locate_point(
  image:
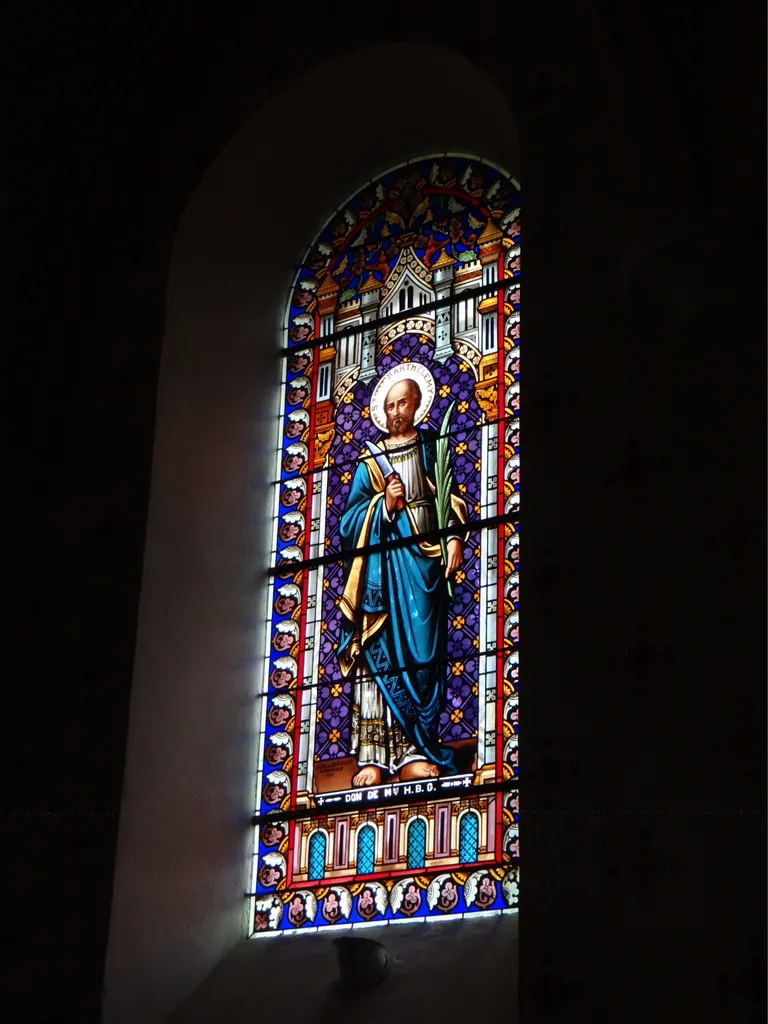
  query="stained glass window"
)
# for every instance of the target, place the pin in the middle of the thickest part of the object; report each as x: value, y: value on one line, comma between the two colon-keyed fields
x: 316, y: 865
x: 469, y: 833
x: 417, y: 844
x: 389, y: 773
x: 366, y: 850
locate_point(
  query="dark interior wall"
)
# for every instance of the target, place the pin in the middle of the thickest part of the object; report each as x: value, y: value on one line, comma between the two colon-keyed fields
x: 453, y: 971
x: 188, y: 791
x: 643, y: 740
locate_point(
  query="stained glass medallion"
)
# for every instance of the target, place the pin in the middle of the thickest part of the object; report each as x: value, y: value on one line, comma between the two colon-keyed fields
x: 388, y: 778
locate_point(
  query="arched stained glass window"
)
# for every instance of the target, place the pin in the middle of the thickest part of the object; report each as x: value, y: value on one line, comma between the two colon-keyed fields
x: 469, y: 837
x: 391, y: 678
x: 366, y: 850
x: 417, y: 844
x: 316, y: 861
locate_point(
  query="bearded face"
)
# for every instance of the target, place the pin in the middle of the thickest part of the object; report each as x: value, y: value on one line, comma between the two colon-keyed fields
x: 400, y: 407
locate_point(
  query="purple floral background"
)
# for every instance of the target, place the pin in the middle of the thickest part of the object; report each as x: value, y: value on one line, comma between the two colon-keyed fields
x: 454, y: 383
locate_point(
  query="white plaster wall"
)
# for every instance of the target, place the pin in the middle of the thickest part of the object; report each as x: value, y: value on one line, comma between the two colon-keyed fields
x: 184, y: 842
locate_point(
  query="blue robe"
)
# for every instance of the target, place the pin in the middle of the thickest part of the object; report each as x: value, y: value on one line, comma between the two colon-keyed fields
x: 395, y: 607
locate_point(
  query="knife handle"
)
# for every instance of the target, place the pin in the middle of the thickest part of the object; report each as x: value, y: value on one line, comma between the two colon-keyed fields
x: 400, y: 503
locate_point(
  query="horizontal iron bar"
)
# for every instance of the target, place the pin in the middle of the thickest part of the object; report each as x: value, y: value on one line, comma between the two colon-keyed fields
x: 454, y: 433
x: 305, y: 814
x: 451, y: 300
x: 472, y: 526
x: 405, y: 666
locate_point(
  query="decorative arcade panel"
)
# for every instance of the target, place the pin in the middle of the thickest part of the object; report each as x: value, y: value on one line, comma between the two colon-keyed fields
x: 388, y: 780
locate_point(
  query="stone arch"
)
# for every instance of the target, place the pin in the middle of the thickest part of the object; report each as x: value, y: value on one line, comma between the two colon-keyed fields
x: 185, y: 840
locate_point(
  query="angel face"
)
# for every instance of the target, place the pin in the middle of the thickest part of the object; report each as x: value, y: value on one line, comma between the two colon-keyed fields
x: 294, y: 429
x: 274, y: 793
x: 292, y: 496
x: 278, y: 717
x: 283, y: 642
x: 280, y: 678
x: 288, y: 532
x: 272, y: 835
x: 297, y: 395
x: 285, y: 604
x: 299, y: 333
x: 276, y: 755
x: 299, y: 362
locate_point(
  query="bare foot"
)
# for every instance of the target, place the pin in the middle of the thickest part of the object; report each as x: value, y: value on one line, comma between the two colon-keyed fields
x: 415, y: 770
x: 368, y: 776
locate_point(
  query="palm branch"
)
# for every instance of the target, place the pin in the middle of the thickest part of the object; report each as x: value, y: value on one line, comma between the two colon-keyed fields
x: 444, y: 485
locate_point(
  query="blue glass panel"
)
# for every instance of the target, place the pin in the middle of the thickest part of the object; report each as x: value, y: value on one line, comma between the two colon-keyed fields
x: 469, y: 838
x: 317, y: 856
x: 417, y: 844
x: 366, y: 850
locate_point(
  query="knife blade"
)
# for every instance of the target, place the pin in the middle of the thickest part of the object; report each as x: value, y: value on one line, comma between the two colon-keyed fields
x: 385, y: 467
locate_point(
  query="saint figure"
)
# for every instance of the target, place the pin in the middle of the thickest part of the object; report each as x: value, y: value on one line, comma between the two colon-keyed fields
x: 395, y: 602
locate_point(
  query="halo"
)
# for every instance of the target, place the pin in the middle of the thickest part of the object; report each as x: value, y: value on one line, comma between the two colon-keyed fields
x: 403, y: 371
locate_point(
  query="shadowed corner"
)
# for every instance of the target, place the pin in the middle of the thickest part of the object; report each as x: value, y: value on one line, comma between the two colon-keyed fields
x: 363, y: 963
x: 363, y: 966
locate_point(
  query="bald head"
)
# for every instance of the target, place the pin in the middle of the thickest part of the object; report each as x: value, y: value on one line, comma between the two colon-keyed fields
x: 400, y: 405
